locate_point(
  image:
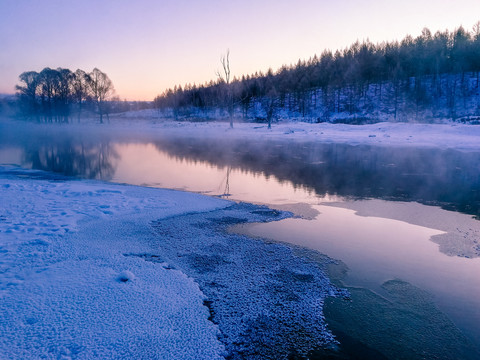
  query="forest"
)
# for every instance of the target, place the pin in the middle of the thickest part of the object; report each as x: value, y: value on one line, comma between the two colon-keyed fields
x: 432, y: 76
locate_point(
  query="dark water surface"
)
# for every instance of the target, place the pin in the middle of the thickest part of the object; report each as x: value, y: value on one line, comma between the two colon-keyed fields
x: 407, y: 292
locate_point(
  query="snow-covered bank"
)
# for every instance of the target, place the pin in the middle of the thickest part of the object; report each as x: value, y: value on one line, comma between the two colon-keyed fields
x: 445, y: 136
x: 84, y: 275
x: 66, y: 293
x: 455, y: 136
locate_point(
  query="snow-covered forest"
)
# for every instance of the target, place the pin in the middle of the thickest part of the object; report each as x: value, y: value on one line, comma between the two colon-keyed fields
x: 429, y: 78
x: 432, y: 76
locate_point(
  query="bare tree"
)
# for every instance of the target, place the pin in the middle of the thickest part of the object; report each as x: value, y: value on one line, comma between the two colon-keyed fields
x: 80, y: 89
x: 224, y: 77
x: 101, y: 90
x: 225, y: 61
x: 270, y: 105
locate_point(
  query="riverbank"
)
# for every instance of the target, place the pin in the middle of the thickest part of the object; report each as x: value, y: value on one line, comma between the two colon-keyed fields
x: 97, y: 270
x: 447, y: 135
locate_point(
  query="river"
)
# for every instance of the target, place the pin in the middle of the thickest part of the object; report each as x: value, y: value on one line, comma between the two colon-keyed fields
x: 401, y: 221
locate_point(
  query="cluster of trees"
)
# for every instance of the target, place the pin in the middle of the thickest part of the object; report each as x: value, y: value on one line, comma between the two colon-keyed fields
x: 52, y: 95
x: 431, y: 71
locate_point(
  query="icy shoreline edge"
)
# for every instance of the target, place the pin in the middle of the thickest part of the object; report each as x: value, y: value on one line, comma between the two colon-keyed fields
x: 84, y: 274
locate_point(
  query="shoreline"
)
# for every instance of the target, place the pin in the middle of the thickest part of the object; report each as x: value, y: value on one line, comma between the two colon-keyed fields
x: 85, y: 270
x: 364, y: 322
x: 448, y: 135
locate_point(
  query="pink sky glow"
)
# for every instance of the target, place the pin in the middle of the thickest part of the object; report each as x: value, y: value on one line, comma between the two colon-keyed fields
x: 147, y: 46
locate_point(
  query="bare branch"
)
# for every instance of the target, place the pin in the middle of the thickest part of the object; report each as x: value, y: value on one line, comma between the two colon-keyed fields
x: 225, y: 61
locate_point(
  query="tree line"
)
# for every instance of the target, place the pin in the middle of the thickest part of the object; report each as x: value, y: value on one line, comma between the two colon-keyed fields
x: 435, y: 74
x: 52, y: 95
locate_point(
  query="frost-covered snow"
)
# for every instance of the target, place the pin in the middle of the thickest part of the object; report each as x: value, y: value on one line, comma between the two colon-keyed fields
x: 266, y: 301
x: 68, y: 293
x: 96, y: 270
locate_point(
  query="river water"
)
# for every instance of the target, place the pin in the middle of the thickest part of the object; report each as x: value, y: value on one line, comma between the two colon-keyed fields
x: 399, y: 220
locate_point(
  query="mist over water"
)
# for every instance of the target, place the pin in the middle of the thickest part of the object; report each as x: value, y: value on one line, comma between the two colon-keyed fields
x: 447, y: 178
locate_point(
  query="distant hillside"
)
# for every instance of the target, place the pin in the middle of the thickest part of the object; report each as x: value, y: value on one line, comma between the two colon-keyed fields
x: 429, y: 78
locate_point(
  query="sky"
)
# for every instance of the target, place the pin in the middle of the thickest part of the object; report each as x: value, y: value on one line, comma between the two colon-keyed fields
x: 147, y: 46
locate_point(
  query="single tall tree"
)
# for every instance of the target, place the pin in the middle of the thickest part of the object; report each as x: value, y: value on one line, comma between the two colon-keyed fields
x: 224, y: 77
x: 101, y: 90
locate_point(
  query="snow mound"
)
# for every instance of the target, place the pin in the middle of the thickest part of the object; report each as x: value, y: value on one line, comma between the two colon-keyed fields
x: 125, y: 276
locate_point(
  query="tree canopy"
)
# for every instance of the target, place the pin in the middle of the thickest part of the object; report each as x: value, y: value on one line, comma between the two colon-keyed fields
x: 52, y: 95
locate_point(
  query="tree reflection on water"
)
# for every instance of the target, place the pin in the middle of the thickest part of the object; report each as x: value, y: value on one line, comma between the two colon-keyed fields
x: 448, y: 178
x: 90, y: 161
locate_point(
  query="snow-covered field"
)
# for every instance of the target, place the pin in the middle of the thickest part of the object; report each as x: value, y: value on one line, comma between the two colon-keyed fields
x: 66, y: 293
x: 97, y: 270
x: 461, y: 137
x: 458, y: 136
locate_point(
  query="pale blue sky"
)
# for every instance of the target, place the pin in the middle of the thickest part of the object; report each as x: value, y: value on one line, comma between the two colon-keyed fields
x: 146, y: 46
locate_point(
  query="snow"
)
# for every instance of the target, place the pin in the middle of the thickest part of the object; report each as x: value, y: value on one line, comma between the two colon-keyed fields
x: 445, y: 136
x: 59, y: 288
x: 455, y: 136
x: 98, y: 270
x: 266, y: 300
x: 125, y: 276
